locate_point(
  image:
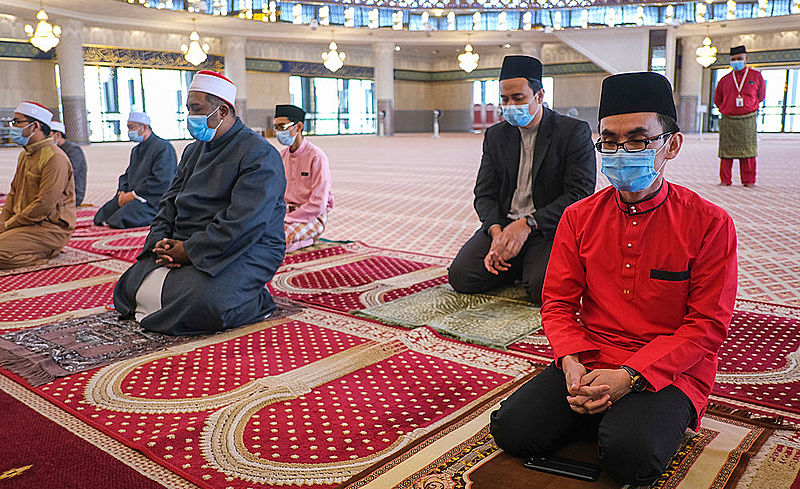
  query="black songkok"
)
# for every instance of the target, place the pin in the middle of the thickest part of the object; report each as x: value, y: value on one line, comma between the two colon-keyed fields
x: 292, y: 112
x: 738, y: 50
x: 628, y: 93
x: 519, y: 66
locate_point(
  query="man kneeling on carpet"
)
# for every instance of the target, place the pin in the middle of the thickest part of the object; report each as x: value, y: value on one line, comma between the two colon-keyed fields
x: 638, y: 297
x: 218, y: 236
x: 39, y: 212
x: 308, y: 180
x: 148, y: 176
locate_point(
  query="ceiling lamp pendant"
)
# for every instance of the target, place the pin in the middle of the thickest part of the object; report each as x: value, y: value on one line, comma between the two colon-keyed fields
x: 762, y: 8
x: 324, y: 15
x: 669, y: 14
x: 468, y: 60
x: 451, y: 21
x: 585, y: 18
x: 333, y: 60
x: 476, y: 21
x: 194, y: 53
x: 795, y: 9
x: 700, y: 13
x: 527, y: 17
x: 397, y: 20
x: 45, y: 36
x: 502, y: 21
x: 374, y: 18
x: 640, y: 15
x: 706, y: 54
x: 731, y: 10
x: 350, y: 17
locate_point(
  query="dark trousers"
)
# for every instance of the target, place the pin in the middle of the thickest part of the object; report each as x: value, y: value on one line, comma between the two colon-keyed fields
x: 636, y: 437
x: 468, y: 275
x: 134, y: 214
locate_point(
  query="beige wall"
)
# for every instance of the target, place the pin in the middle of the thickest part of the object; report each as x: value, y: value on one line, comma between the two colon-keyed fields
x: 265, y: 90
x: 27, y: 80
x: 452, y: 95
x: 411, y: 95
x: 577, y: 90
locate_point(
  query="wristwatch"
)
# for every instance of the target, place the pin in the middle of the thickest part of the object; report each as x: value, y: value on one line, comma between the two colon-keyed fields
x: 531, y: 222
x: 638, y: 382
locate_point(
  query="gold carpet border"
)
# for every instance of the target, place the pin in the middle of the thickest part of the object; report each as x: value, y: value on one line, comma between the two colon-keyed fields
x: 789, y: 312
x: 128, y: 456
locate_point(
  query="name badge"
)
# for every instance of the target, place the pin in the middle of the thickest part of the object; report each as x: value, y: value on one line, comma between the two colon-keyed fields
x: 739, y: 101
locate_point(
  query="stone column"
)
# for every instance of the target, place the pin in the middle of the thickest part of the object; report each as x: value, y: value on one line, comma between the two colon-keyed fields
x: 532, y: 49
x: 236, y: 70
x: 69, y: 54
x: 690, y: 82
x: 384, y: 84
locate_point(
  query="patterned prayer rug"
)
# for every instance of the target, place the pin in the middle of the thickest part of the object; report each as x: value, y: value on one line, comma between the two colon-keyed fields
x: 123, y: 245
x: 353, y: 276
x: 308, y: 400
x: 41, y: 354
x: 496, y: 320
x: 50, y: 296
x: 465, y: 456
x: 68, y: 256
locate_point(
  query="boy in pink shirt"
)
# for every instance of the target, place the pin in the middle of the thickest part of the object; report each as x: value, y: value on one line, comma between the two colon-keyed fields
x: 308, y: 180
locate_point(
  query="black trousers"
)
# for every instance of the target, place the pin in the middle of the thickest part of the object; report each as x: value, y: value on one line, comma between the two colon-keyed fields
x: 468, y: 275
x: 636, y: 437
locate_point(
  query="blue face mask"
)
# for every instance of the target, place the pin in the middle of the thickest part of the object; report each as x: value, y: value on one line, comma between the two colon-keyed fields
x: 198, y: 126
x: 631, y: 172
x: 135, y: 136
x: 518, y: 115
x: 285, y: 138
x: 738, y: 64
x: 15, y: 133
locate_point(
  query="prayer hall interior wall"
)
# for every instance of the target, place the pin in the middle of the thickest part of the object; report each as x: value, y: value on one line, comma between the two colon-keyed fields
x: 27, y: 80
x: 264, y: 92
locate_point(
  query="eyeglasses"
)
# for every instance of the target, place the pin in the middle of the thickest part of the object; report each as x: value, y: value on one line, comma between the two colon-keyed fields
x: 629, y: 146
x: 17, y: 122
x: 284, y: 126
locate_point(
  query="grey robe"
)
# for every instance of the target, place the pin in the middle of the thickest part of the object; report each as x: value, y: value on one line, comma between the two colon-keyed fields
x: 226, y: 205
x: 149, y: 174
x: 78, y: 160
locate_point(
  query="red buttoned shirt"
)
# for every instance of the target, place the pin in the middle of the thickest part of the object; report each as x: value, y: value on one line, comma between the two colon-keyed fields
x: 754, y: 91
x: 653, y: 284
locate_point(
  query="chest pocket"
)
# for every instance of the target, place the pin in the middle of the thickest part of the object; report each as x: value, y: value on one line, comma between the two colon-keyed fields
x: 669, y: 276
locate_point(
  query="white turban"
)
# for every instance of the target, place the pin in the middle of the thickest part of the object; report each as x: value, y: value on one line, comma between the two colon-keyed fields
x: 214, y: 83
x: 58, y: 126
x: 35, y: 111
x: 139, y: 117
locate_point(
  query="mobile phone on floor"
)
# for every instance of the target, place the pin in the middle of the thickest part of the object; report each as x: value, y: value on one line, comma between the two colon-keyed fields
x: 563, y: 466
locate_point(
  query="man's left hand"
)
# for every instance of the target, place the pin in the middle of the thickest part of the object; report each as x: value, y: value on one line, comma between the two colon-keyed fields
x: 618, y: 382
x: 171, y: 253
x: 514, y: 237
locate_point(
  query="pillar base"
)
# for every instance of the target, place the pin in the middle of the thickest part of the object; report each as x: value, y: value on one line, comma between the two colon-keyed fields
x: 75, y: 121
x: 387, y: 106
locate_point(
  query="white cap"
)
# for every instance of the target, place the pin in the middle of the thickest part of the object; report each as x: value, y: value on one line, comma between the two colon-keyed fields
x: 214, y: 83
x: 58, y: 126
x: 139, y: 117
x: 35, y: 111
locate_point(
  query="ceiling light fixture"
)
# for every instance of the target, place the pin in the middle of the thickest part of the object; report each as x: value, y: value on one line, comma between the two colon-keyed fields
x: 45, y: 36
x: 194, y: 53
x: 706, y: 54
x: 333, y: 60
x: 468, y: 60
